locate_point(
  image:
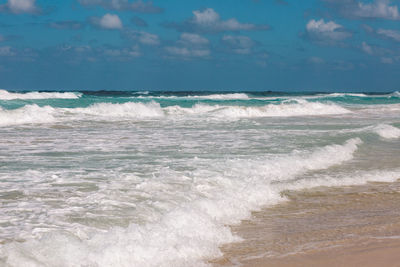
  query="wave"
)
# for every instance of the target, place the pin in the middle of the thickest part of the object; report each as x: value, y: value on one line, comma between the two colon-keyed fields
x: 299, y: 108
x: 233, y: 96
x: 124, y: 110
x: 345, y: 94
x: 27, y: 115
x: 387, y: 131
x: 34, y: 114
x: 395, y: 93
x: 193, y: 230
x: 132, y: 110
x: 5, y: 95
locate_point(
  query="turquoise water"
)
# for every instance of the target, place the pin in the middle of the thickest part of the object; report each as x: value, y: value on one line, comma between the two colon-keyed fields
x: 188, y: 99
x: 155, y: 178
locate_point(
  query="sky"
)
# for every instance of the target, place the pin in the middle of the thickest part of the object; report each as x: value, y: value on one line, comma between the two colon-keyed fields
x: 246, y: 45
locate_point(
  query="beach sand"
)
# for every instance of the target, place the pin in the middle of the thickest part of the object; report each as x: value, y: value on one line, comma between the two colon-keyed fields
x: 347, y: 226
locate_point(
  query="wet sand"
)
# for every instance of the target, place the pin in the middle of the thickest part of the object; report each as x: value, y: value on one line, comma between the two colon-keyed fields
x: 348, y: 226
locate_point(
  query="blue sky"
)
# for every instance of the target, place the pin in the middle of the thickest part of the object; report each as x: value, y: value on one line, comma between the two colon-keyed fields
x: 290, y: 45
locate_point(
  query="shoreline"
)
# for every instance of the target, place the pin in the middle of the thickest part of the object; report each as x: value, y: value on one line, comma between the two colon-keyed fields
x: 383, y: 253
x: 338, y: 226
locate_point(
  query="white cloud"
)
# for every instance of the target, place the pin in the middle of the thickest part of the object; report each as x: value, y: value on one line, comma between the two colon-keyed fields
x: 319, y: 30
x: 238, y: 44
x: 321, y: 26
x: 22, y: 6
x: 190, y: 45
x: 377, y: 9
x: 366, y: 48
x: 207, y: 16
x: 208, y: 20
x: 391, y: 34
x: 109, y: 21
x: 193, y: 39
x: 366, y: 9
x: 6, y: 51
x: 187, y: 52
x: 142, y: 37
x: 123, y: 54
x: 149, y: 39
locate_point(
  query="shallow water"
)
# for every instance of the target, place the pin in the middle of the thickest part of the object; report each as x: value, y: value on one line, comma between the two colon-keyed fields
x: 318, y: 221
x: 154, y: 179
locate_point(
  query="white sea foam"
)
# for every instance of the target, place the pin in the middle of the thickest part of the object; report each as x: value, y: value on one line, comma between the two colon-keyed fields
x: 193, y: 223
x: 357, y: 178
x: 26, y: 115
x: 5, y: 95
x: 33, y: 114
x: 345, y: 94
x: 233, y: 96
x: 299, y: 108
x: 125, y: 110
x: 396, y: 94
x: 387, y: 131
x: 131, y: 110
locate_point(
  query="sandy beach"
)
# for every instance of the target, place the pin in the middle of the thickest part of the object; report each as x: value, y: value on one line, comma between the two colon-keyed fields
x: 348, y: 226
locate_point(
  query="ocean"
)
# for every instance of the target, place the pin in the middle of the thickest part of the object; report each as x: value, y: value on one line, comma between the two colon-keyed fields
x: 158, y: 178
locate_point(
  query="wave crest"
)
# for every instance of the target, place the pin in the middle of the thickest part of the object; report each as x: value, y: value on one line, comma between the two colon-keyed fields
x: 125, y: 110
x: 133, y: 110
x: 387, y: 131
x: 299, y: 108
x: 27, y: 114
x: 5, y: 95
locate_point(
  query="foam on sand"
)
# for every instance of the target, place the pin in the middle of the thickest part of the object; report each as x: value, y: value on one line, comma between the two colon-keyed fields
x: 5, y: 95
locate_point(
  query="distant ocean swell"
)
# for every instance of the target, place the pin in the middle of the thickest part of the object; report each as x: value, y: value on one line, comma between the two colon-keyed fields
x: 155, y: 179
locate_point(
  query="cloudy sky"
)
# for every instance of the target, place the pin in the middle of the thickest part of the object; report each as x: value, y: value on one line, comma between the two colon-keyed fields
x: 296, y: 45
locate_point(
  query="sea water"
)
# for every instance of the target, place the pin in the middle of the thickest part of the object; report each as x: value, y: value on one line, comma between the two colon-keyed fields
x: 156, y: 178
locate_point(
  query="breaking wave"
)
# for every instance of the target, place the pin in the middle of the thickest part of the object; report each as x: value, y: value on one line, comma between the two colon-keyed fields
x: 27, y: 114
x: 299, y: 108
x: 222, y: 96
x: 125, y: 110
x: 396, y: 94
x: 233, y: 96
x: 130, y: 110
x: 34, y: 114
x: 345, y: 94
x: 193, y: 230
x: 5, y: 95
x: 387, y: 131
